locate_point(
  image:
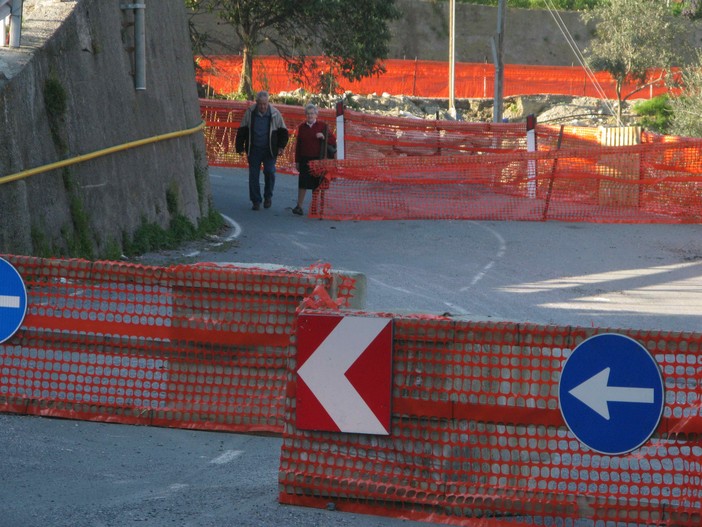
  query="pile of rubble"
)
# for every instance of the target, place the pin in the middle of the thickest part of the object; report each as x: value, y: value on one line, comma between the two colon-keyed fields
x: 553, y: 109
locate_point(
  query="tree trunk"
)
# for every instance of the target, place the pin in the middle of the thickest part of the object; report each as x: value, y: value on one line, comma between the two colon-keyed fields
x: 619, y: 86
x: 246, y: 79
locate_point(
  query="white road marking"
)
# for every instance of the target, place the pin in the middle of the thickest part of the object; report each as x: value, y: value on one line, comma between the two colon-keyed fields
x: 300, y: 245
x: 227, y: 457
x: 400, y: 289
x: 501, y: 250
x: 235, y: 226
x: 454, y: 307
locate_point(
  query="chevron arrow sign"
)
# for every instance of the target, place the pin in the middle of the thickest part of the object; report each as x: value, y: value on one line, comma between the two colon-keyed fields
x: 344, y: 374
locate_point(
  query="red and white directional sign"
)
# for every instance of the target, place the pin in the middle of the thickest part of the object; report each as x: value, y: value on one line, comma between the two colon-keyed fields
x: 344, y: 374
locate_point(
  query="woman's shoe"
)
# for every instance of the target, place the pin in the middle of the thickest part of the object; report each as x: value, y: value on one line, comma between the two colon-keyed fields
x: 298, y: 210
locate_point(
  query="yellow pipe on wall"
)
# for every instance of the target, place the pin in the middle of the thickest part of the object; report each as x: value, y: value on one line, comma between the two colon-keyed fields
x: 100, y: 153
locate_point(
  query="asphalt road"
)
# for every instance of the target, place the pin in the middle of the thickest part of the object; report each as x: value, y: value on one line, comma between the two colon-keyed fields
x: 599, y: 275
x: 71, y: 473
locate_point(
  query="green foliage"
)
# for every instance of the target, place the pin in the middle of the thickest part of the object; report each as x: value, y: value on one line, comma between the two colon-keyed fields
x: 55, y: 97
x: 148, y: 237
x: 200, y: 174
x: 352, y: 34
x: 79, y: 239
x: 691, y: 9
x: 210, y: 224
x: 152, y: 237
x: 181, y: 229
x: 113, y: 251
x: 655, y: 114
x: 236, y: 96
x: 40, y: 245
x: 289, y: 100
x: 172, y: 200
x: 55, y: 102
x: 327, y: 83
x: 631, y: 38
x: 686, y: 107
x: 688, y: 8
x: 561, y: 5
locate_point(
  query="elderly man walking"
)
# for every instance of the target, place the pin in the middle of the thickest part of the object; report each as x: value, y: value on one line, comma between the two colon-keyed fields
x: 262, y: 135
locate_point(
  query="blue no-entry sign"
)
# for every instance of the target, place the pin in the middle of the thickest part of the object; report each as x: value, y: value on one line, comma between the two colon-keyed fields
x: 13, y: 300
x: 611, y: 393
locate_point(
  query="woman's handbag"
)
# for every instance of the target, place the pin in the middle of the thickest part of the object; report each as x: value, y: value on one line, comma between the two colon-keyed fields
x: 328, y: 151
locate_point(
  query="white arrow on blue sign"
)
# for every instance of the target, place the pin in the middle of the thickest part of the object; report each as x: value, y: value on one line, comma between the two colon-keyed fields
x: 611, y: 393
x: 13, y: 300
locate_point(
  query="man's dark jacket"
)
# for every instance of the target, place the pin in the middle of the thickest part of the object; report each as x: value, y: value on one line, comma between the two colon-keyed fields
x: 277, y: 135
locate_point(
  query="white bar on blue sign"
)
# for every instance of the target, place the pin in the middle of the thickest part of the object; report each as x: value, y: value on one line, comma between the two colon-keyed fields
x: 9, y: 301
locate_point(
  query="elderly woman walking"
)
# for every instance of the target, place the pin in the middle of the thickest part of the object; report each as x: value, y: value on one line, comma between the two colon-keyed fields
x: 312, y: 138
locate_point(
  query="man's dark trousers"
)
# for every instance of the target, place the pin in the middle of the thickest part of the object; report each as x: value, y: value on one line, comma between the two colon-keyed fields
x: 256, y: 157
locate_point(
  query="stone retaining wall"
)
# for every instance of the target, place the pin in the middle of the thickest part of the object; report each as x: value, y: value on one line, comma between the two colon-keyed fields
x: 68, y: 91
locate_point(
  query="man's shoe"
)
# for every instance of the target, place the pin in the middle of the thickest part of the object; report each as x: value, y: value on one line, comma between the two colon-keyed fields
x: 298, y: 210
x: 267, y: 203
x: 256, y: 206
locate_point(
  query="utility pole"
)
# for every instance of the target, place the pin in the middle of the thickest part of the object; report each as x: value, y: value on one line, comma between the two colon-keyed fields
x: 497, y: 53
x: 452, y: 58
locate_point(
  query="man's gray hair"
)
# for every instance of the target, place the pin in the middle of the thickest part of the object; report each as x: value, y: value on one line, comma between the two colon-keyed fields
x: 263, y: 94
x: 311, y: 107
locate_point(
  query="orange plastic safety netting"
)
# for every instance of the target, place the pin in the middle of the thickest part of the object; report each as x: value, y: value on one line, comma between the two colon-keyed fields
x: 191, y: 346
x: 477, y: 437
x: 373, y: 136
x: 420, y: 78
x: 647, y: 183
x: 397, y: 168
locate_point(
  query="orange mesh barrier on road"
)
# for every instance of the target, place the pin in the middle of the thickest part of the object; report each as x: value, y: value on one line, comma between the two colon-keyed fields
x: 478, y: 440
x: 374, y: 136
x: 191, y: 346
x: 648, y: 183
x: 398, y: 168
x: 476, y: 430
x: 421, y: 78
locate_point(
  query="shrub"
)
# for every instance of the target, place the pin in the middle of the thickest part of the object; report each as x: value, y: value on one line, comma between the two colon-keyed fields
x: 655, y: 114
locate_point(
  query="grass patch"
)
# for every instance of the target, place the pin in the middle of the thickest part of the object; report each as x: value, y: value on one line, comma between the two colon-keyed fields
x: 79, y: 241
x: 40, y: 244
x: 150, y: 236
x: 56, y: 104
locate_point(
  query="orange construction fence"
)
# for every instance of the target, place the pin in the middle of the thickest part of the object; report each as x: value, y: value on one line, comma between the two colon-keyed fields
x: 477, y: 437
x: 476, y: 434
x: 399, y: 168
x: 372, y: 137
x: 192, y: 346
x: 647, y: 183
x: 420, y: 78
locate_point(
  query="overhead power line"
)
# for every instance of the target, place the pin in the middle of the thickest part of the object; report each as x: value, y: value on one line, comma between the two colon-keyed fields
x: 580, y: 57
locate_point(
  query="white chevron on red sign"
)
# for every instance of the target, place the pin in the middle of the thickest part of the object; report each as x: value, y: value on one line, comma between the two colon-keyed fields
x: 344, y: 374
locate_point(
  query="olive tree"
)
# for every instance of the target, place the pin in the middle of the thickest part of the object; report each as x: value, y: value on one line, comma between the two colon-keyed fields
x: 353, y: 34
x: 632, y: 37
x: 687, y: 107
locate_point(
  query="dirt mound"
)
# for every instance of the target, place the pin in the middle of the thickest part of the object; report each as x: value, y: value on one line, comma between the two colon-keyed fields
x: 553, y: 109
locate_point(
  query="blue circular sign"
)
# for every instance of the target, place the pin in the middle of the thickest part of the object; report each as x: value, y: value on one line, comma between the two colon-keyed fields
x: 13, y: 300
x: 611, y: 393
